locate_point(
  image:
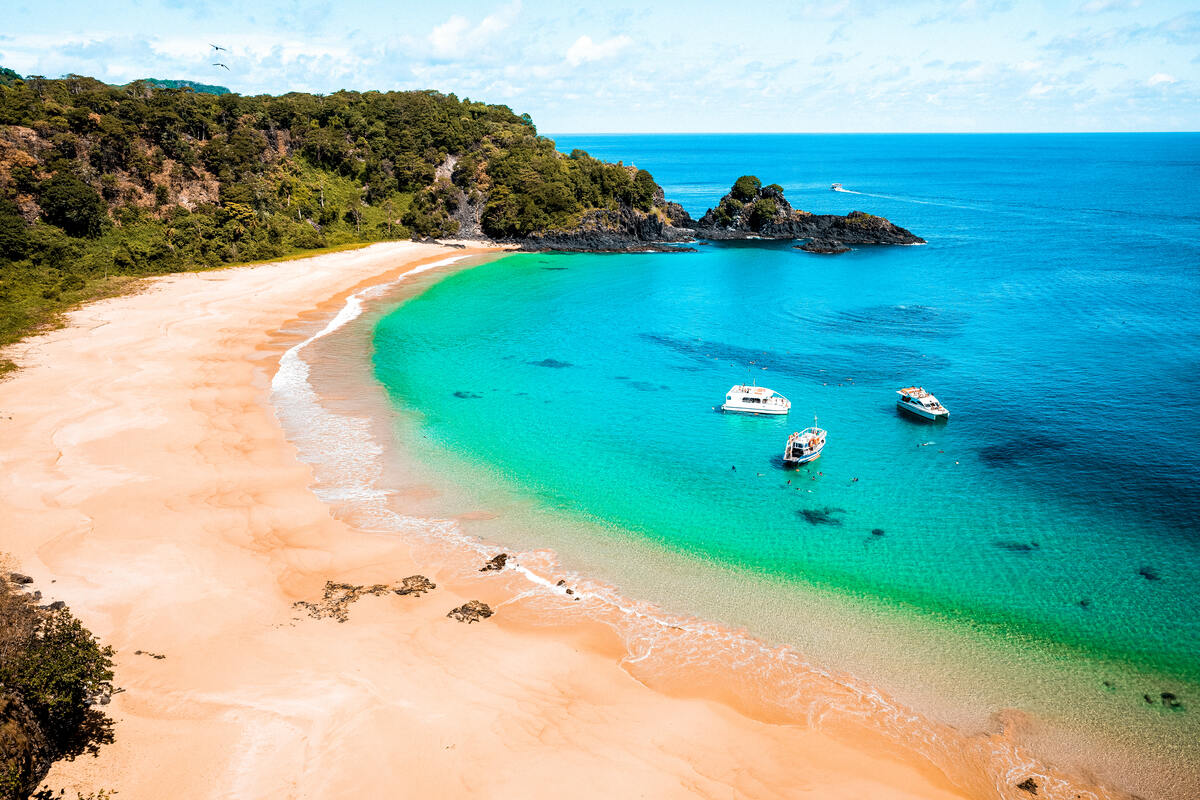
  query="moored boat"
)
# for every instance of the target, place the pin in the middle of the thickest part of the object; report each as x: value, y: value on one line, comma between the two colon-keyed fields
x: 804, y: 446
x: 755, y: 400
x: 921, y: 403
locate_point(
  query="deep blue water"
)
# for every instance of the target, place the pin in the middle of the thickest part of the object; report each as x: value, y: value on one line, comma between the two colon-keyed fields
x: 1055, y: 311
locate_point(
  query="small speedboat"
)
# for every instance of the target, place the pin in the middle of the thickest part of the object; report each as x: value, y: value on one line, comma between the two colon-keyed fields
x: 916, y: 400
x: 804, y: 446
x: 837, y: 187
x: 755, y: 400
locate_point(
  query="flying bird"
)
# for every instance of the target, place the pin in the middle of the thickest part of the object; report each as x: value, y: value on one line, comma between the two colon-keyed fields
x: 218, y: 47
x: 216, y: 64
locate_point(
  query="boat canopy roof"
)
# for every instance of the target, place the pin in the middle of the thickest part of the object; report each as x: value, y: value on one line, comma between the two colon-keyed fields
x: 752, y: 391
x: 914, y: 391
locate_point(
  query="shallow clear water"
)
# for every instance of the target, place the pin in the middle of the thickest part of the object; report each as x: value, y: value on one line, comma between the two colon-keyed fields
x: 1055, y: 311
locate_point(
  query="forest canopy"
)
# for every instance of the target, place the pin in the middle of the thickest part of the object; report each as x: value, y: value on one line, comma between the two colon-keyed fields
x: 98, y: 181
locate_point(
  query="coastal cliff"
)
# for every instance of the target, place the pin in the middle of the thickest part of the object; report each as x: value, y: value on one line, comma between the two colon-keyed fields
x: 753, y: 211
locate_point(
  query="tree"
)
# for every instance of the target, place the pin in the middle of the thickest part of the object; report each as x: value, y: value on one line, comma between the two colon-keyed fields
x: 72, y: 205
x: 15, y: 242
x: 746, y: 187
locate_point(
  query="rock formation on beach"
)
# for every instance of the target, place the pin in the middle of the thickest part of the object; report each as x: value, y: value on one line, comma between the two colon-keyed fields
x: 471, y: 611
x: 754, y: 211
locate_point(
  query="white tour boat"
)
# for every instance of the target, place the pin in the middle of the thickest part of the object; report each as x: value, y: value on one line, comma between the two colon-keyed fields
x: 804, y: 446
x: 755, y: 400
x: 837, y: 187
x: 916, y: 400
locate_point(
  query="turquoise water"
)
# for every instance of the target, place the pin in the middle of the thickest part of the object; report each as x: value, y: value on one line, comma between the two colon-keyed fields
x: 1055, y: 311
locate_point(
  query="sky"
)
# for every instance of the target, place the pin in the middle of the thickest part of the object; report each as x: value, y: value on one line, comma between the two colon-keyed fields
x: 764, y: 66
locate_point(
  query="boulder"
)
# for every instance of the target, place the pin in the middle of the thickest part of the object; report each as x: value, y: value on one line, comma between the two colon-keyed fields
x: 471, y: 611
x: 415, y: 585
x: 496, y: 564
x: 1028, y: 785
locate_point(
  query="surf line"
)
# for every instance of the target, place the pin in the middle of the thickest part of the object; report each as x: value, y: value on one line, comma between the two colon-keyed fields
x: 293, y: 370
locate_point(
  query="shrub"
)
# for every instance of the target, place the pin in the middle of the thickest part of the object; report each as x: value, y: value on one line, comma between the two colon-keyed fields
x: 72, y: 205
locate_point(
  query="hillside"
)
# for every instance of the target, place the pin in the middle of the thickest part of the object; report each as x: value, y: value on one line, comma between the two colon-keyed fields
x: 99, y: 182
x: 195, y: 86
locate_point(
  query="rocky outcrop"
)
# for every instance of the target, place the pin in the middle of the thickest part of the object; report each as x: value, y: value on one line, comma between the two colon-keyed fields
x: 623, y: 230
x: 24, y: 752
x: 495, y: 564
x: 415, y: 585
x: 826, y: 246
x: 471, y: 611
x: 753, y: 211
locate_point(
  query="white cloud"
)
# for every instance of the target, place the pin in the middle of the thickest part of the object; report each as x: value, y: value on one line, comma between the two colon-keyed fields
x: 1040, y: 89
x: 456, y: 37
x: 1100, y: 6
x: 584, y: 49
x: 1160, y: 77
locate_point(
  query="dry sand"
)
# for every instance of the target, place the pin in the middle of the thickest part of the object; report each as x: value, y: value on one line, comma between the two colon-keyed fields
x: 145, y: 480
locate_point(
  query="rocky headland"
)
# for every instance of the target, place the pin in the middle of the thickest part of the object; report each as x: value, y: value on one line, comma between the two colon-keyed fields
x: 749, y: 211
x: 754, y: 211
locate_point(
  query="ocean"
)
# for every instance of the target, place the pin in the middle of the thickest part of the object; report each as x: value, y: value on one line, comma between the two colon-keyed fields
x: 1036, y: 558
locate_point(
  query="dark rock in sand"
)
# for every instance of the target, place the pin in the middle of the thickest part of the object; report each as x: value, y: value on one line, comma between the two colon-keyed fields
x: 1149, y: 573
x: 471, y: 611
x: 18, y: 578
x: 57, y: 605
x: 1028, y: 785
x: 824, y: 246
x: 415, y: 585
x: 337, y: 599
x: 877, y: 531
x: 496, y: 564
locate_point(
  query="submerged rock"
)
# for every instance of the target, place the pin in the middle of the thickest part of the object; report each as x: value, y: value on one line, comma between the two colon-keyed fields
x: 415, y: 585
x: 821, y: 516
x: 877, y: 531
x: 495, y: 564
x: 1149, y: 573
x: 552, y: 363
x: 1016, y: 547
x: 471, y: 611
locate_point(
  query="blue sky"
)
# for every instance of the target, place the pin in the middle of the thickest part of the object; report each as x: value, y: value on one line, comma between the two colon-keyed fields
x: 834, y: 65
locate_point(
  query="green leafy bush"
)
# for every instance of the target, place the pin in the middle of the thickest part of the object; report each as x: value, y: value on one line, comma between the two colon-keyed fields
x: 746, y: 187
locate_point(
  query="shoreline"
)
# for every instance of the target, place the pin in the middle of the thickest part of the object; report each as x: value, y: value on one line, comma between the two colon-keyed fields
x: 658, y: 640
x: 134, y: 407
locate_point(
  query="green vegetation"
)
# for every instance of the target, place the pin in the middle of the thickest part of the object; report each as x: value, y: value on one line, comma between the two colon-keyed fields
x: 746, y: 188
x: 51, y: 671
x: 202, y: 88
x: 100, y: 181
x: 765, y: 210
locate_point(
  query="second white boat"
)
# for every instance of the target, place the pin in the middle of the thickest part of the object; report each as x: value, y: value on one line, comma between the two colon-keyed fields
x: 755, y: 400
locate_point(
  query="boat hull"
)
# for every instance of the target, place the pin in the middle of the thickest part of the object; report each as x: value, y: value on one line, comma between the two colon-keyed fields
x: 923, y: 413
x: 765, y: 412
x: 795, y: 462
